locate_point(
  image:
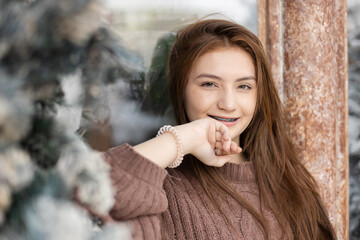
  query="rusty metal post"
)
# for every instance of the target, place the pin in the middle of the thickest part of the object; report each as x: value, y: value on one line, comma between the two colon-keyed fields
x: 307, y: 46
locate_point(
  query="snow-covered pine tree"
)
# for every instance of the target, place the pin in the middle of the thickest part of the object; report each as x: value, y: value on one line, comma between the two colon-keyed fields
x: 54, y: 58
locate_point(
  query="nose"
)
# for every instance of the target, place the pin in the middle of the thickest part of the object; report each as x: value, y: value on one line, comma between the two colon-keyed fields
x: 226, y: 101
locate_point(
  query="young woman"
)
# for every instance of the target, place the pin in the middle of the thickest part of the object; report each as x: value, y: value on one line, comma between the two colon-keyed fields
x: 224, y: 98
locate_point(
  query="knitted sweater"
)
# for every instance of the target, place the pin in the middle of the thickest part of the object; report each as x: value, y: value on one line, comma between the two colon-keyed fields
x: 164, y: 204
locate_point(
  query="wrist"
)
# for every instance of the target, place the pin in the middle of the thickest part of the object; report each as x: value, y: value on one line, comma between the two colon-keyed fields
x: 179, y: 145
x: 187, y: 135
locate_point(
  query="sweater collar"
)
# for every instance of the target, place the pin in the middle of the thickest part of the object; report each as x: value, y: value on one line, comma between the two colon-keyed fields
x: 243, y: 172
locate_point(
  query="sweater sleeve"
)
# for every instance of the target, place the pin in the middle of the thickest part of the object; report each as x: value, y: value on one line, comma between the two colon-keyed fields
x: 138, y: 184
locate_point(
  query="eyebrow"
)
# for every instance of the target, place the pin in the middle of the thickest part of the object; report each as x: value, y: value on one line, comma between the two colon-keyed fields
x: 206, y: 75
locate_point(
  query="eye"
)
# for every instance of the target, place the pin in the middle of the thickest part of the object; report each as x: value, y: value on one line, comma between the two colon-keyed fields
x: 208, y: 84
x: 245, y: 87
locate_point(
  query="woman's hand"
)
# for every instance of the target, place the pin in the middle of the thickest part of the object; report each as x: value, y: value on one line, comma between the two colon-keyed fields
x: 206, y: 139
x: 209, y: 141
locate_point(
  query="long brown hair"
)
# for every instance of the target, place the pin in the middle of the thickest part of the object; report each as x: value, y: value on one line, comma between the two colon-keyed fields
x: 286, y: 187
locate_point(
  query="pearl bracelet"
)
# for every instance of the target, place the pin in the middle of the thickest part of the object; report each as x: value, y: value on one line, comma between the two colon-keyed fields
x: 179, y: 145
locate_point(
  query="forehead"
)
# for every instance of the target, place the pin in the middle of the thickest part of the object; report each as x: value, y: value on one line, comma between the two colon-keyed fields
x: 225, y: 61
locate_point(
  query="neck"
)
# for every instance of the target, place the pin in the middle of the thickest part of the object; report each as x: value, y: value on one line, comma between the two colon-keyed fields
x: 237, y: 158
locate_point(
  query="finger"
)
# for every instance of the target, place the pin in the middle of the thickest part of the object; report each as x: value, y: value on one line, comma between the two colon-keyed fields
x: 219, y: 152
x: 226, y: 145
x: 234, y: 148
x: 223, y: 130
x: 219, y: 136
x: 212, y: 136
x: 219, y: 146
x: 220, y: 149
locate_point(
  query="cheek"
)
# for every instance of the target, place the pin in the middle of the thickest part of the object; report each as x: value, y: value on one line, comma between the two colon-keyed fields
x: 254, y: 103
x: 195, y: 106
x: 248, y: 105
x: 252, y: 107
x: 191, y: 108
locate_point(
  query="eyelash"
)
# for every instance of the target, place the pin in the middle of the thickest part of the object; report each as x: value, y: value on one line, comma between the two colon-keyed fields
x: 247, y: 87
x: 208, y: 84
x: 211, y: 84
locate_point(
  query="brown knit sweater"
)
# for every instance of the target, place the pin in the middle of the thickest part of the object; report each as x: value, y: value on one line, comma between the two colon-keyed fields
x: 162, y: 204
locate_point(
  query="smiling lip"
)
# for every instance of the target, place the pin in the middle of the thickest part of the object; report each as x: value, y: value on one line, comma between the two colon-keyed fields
x: 225, y: 120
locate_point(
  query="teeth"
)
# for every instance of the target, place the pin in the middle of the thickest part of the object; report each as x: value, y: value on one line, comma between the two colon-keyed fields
x: 224, y: 119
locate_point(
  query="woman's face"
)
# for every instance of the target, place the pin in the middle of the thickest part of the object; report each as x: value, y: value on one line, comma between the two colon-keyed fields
x: 222, y: 86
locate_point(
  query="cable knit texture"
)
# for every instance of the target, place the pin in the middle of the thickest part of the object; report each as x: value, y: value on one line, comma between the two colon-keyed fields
x: 162, y: 204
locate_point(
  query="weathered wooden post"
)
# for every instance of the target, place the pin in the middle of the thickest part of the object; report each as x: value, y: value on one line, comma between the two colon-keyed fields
x: 307, y: 46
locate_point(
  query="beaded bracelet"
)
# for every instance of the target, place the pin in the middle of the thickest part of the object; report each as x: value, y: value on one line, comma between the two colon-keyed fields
x: 179, y: 145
